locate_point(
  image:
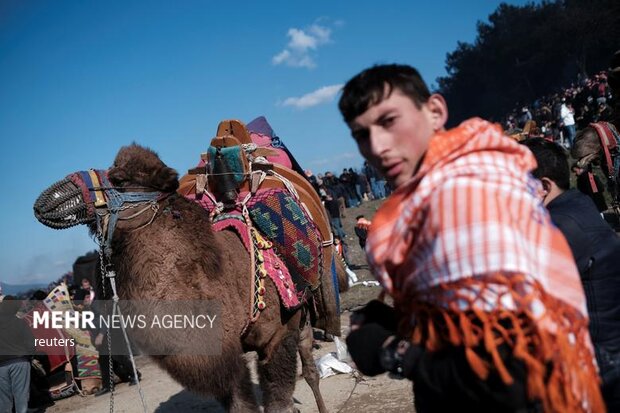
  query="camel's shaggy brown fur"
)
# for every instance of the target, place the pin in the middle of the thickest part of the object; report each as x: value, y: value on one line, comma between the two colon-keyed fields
x: 178, y: 257
x: 586, y: 142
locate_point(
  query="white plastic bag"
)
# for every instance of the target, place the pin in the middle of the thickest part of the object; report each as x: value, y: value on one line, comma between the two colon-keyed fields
x: 328, y: 365
x: 342, y: 353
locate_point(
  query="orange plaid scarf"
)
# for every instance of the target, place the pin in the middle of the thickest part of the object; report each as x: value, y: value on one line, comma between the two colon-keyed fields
x: 466, y: 245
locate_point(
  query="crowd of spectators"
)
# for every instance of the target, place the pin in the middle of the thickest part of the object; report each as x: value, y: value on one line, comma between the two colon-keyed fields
x: 28, y: 388
x: 352, y: 186
x: 558, y: 116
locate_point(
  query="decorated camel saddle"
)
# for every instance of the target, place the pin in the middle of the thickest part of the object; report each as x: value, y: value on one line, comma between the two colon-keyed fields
x: 251, y: 184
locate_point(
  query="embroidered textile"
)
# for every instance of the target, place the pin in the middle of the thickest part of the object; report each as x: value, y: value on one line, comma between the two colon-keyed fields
x: 273, y: 265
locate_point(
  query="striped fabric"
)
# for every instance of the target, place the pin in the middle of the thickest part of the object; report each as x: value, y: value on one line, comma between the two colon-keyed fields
x: 471, y: 210
x: 466, y: 248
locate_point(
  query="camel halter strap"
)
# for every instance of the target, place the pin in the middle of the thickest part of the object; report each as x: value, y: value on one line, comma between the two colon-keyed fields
x: 119, y: 201
x: 593, y: 185
x: 609, y: 137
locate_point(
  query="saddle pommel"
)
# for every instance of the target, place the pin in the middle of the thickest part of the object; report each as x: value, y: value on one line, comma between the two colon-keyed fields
x: 233, y: 127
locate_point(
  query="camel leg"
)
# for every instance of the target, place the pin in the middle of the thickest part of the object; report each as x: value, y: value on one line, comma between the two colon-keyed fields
x: 278, y: 375
x: 241, y: 398
x: 309, y: 370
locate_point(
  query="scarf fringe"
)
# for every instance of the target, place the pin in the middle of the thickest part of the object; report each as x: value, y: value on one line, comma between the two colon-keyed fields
x: 561, y: 371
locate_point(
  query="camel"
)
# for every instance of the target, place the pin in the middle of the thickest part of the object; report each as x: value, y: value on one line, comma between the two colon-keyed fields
x: 172, y: 253
x: 588, y: 147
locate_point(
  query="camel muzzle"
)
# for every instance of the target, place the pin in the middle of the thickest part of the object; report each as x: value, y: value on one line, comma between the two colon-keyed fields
x: 71, y: 201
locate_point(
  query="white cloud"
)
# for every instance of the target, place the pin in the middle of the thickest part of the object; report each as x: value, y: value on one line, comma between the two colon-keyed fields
x: 300, y: 45
x: 281, y: 57
x: 301, y: 41
x: 322, y: 34
x: 322, y: 95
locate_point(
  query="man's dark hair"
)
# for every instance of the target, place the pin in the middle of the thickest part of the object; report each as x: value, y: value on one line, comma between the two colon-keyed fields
x: 552, y: 161
x: 377, y: 83
x: 358, y: 217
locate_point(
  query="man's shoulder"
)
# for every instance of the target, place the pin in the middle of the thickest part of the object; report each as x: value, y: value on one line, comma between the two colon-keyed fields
x: 573, y: 202
x: 575, y: 209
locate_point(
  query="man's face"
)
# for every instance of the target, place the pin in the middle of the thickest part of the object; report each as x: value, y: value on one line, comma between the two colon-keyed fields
x: 85, y: 284
x: 393, y: 136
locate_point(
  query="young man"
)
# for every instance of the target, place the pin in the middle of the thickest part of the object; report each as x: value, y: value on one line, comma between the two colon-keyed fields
x: 596, y: 248
x: 489, y: 313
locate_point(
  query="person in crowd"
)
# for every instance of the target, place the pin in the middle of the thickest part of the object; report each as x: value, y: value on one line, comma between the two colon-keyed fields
x: 333, y: 209
x: 121, y: 364
x: 357, y: 195
x: 361, y: 230
x: 489, y: 313
x: 596, y: 248
x: 362, y: 187
x: 347, y: 179
x: 377, y: 182
x: 568, y: 122
x: 313, y: 180
x: 336, y: 190
x: 341, y: 249
x: 16, y: 351
x: 525, y: 117
x: 40, y: 397
x: 81, y: 294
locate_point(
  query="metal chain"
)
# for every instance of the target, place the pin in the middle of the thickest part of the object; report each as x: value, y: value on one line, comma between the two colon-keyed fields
x: 102, y: 267
x: 111, y: 369
x: 111, y: 276
x: 129, y: 350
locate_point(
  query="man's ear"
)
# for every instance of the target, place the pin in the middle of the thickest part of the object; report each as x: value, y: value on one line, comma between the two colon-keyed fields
x: 547, y: 184
x: 439, y: 111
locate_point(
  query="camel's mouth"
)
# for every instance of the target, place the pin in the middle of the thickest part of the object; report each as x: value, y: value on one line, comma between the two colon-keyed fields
x: 71, y: 201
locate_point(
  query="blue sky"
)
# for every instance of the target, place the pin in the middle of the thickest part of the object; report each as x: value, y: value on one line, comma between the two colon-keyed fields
x: 80, y: 79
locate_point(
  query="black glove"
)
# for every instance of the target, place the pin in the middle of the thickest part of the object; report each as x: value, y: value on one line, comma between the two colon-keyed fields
x: 365, y: 345
x: 401, y: 357
x: 377, y: 312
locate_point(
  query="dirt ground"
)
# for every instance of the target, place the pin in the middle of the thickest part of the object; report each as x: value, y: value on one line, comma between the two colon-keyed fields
x: 342, y: 393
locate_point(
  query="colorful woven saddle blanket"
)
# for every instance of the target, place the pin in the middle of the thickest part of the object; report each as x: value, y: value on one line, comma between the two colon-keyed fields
x: 295, y: 237
x: 270, y: 263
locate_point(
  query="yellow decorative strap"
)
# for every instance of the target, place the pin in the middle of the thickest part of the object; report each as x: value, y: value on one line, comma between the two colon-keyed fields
x: 99, y: 195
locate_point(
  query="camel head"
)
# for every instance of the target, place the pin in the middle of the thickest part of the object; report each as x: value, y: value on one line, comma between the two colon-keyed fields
x: 139, y: 167
x: 587, y: 144
x: 137, y: 172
